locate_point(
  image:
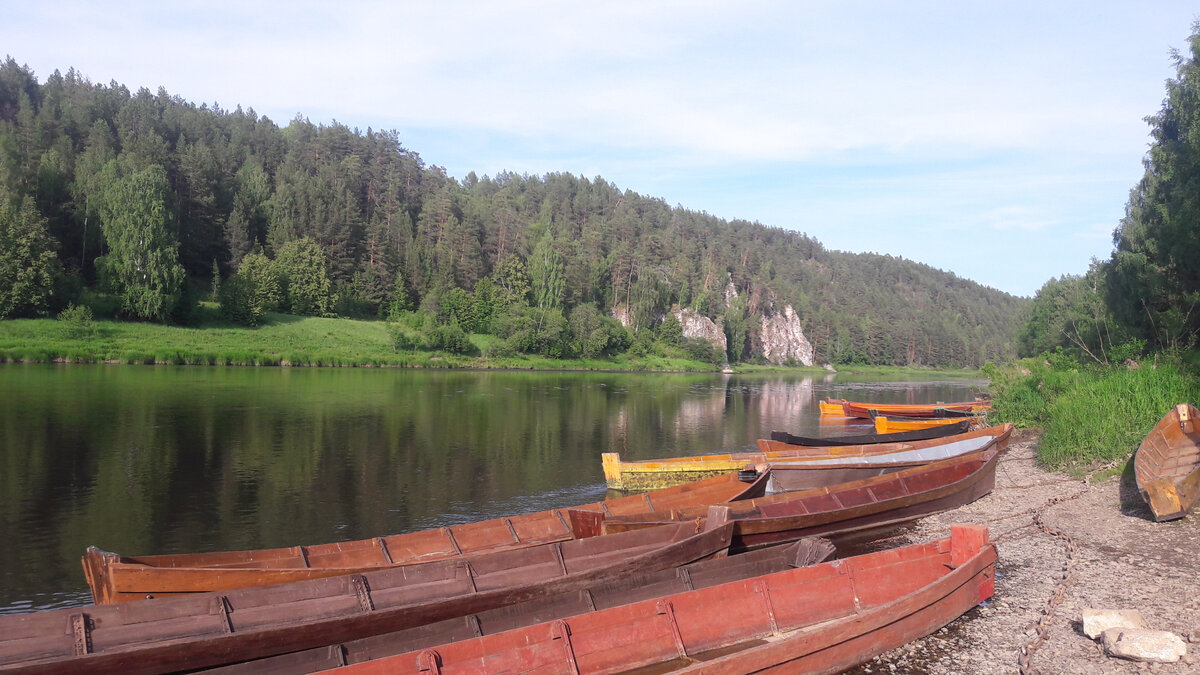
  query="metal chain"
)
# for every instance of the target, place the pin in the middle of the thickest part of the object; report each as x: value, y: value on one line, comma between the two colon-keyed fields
x: 1025, y: 657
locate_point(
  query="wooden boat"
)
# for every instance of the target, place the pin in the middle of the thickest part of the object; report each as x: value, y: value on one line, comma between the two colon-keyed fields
x: 116, y: 578
x: 791, y: 476
x: 1167, y: 464
x: 832, y: 408
x: 888, y: 425
x: 924, y: 434
x: 622, y: 591
x: 819, y: 619
x: 652, y: 473
x: 922, y: 410
x: 858, y: 510
x: 202, y: 630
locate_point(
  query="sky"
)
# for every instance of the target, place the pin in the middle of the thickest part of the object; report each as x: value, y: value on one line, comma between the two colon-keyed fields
x: 998, y: 140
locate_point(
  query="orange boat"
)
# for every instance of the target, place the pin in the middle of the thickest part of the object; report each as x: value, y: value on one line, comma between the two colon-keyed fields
x: 922, y: 410
x: 889, y: 425
x: 824, y: 618
x: 832, y: 408
x: 1167, y: 464
x: 116, y: 578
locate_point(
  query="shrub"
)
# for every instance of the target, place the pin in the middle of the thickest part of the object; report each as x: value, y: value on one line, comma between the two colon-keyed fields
x: 75, y: 322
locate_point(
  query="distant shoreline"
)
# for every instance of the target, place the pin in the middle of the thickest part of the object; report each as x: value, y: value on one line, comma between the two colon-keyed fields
x: 330, y: 343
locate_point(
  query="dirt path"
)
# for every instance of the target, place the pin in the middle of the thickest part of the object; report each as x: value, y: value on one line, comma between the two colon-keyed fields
x: 1123, y: 560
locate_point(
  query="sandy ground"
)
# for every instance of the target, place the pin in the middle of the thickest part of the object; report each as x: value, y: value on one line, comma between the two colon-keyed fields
x: 1123, y: 560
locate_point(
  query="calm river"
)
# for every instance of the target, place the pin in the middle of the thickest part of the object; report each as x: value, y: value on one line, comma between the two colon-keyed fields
x: 143, y: 459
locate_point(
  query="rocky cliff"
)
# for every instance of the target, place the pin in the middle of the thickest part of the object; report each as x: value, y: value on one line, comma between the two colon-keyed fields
x: 696, y: 325
x: 781, y: 337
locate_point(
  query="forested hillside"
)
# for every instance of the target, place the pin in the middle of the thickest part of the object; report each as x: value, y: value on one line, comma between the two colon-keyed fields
x: 1146, y: 296
x: 156, y: 201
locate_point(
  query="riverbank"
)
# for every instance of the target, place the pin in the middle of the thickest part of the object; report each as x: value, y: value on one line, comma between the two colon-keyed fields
x: 1122, y: 560
x: 321, y: 342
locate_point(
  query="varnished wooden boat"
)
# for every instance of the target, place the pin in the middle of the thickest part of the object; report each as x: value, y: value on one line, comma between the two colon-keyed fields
x: 922, y: 410
x: 858, y: 510
x: 615, y: 593
x: 924, y: 434
x: 791, y: 476
x: 1167, y: 464
x: 888, y: 425
x: 116, y: 578
x: 202, y: 630
x: 819, y: 619
x: 652, y: 473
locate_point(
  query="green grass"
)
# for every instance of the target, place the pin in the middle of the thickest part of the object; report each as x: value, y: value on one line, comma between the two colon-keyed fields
x: 1089, y: 414
x: 282, y: 340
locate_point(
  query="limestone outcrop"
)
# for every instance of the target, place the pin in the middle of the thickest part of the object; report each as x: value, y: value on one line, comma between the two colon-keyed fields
x: 696, y: 325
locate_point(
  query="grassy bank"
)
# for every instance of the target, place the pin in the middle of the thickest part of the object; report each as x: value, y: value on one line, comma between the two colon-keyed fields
x: 283, y: 340
x: 1089, y: 414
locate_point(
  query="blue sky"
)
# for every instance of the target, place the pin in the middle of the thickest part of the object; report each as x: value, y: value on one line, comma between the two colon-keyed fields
x: 996, y: 140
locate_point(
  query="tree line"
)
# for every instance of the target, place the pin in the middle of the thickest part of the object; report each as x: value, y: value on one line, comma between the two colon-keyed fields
x: 151, y: 202
x: 1146, y: 295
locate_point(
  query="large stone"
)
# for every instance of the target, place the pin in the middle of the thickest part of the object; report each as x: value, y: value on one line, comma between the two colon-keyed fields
x: 1143, y: 644
x: 1096, y: 621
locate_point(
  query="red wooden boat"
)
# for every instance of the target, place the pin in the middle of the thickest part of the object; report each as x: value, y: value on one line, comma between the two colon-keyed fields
x: 204, y: 630
x: 819, y: 619
x: 623, y: 591
x: 116, y: 578
x: 1167, y: 464
x: 858, y: 510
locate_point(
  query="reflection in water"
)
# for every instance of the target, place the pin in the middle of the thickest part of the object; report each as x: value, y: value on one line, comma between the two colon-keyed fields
x: 169, y: 459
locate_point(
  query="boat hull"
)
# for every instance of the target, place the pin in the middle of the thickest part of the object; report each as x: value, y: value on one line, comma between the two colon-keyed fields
x: 115, y: 578
x: 854, y: 511
x: 184, y: 633
x: 823, y: 618
x: 649, y: 474
x: 1167, y: 464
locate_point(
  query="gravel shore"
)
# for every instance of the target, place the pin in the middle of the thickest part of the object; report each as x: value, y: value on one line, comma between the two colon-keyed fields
x: 1122, y: 560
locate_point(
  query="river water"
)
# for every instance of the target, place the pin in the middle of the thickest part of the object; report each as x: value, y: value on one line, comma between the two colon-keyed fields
x: 166, y: 459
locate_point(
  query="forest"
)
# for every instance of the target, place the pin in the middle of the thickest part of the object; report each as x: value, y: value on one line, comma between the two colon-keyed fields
x: 138, y: 205
x: 1145, y: 298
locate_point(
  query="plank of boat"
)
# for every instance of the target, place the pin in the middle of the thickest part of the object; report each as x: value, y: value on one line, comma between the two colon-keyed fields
x: 1167, y: 464
x: 857, y: 510
x: 217, y: 628
x: 823, y: 618
x: 644, y: 474
x: 622, y: 591
x: 939, y: 431
x: 115, y: 578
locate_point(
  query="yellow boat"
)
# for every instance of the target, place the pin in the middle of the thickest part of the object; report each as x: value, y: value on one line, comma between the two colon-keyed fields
x: 652, y: 474
x: 832, y: 408
x: 888, y: 425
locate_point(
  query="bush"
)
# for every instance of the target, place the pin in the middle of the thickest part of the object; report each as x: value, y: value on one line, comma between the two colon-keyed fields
x: 75, y: 322
x: 240, y: 303
x: 402, y: 336
x: 450, y: 338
